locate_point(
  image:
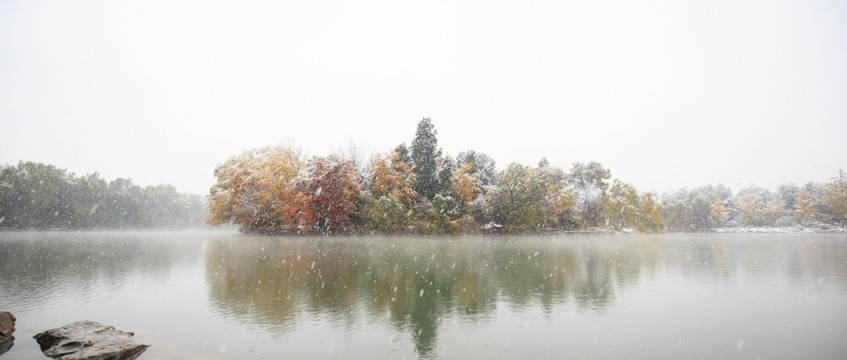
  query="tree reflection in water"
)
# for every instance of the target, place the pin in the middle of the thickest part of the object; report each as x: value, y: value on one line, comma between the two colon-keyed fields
x: 417, y: 282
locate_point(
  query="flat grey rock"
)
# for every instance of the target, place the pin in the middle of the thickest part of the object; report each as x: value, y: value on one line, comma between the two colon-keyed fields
x: 89, y: 340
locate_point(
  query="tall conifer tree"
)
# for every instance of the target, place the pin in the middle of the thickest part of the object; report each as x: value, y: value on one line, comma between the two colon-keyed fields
x: 425, y: 155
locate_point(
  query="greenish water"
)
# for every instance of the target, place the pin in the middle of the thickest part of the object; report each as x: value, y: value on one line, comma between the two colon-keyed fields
x: 217, y: 295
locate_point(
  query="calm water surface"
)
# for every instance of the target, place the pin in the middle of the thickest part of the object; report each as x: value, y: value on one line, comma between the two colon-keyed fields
x: 218, y: 295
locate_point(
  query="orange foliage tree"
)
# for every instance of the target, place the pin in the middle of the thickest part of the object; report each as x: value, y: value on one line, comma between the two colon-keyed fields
x: 464, y: 183
x: 258, y: 191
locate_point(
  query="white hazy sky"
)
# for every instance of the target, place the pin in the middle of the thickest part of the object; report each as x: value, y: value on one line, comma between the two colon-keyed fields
x: 666, y: 94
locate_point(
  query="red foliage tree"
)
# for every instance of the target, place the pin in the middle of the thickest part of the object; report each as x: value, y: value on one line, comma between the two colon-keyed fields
x: 333, y: 186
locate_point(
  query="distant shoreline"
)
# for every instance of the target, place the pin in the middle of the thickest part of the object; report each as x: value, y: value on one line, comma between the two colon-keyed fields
x: 234, y: 231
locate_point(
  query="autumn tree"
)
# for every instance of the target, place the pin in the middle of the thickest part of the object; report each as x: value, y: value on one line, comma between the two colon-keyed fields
x: 719, y: 212
x: 259, y: 190
x: 566, y: 210
x: 390, y: 176
x: 527, y: 198
x: 758, y: 207
x: 649, y: 217
x: 773, y: 212
x: 385, y: 206
x: 465, y: 190
x: 425, y: 156
x: 621, y: 206
x: 625, y: 209
x: 465, y: 183
x: 333, y: 188
x: 803, y: 208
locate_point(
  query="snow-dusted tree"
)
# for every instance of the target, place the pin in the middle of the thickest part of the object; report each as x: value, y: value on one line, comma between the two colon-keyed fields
x: 480, y: 164
x: 444, y: 211
x: 621, y: 206
x: 836, y: 197
x: 425, y: 156
x: 357, y: 154
x: 384, y: 213
x: 691, y: 210
x: 787, y: 194
x: 527, y: 198
x: 590, y: 182
x: 751, y: 209
x: 403, y: 153
x: 758, y: 206
x: 444, y: 175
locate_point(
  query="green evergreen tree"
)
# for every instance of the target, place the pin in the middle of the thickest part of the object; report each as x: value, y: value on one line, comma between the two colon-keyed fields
x: 425, y: 156
x: 403, y: 153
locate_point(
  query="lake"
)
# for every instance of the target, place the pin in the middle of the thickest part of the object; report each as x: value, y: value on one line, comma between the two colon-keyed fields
x: 224, y: 295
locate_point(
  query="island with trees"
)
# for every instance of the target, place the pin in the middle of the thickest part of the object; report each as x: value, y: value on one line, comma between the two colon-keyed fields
x: 418, y: 189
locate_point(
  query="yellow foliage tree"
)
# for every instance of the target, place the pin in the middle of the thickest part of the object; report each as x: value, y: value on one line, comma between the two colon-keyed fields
x: 464, y: 183
x: 751, y: 210
x: 649, y: 215
x: 719, y: 212
x: 393, y: 177
x: 804, y: 209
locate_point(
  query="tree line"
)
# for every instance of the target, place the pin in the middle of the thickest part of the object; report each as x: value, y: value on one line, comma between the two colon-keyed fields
x: 408, y: 189
x: 417, y: 189
x: 40, y: 196
x: 703, y: 208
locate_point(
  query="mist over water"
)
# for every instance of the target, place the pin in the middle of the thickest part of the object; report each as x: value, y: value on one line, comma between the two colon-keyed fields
x: 227, y: 295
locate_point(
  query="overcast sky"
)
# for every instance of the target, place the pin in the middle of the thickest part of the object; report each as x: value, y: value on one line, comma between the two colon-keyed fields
x: 666, y: 94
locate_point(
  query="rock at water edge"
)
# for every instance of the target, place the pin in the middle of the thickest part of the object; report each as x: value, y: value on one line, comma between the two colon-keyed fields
x: 7, y: 323
x: 89, y: 340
